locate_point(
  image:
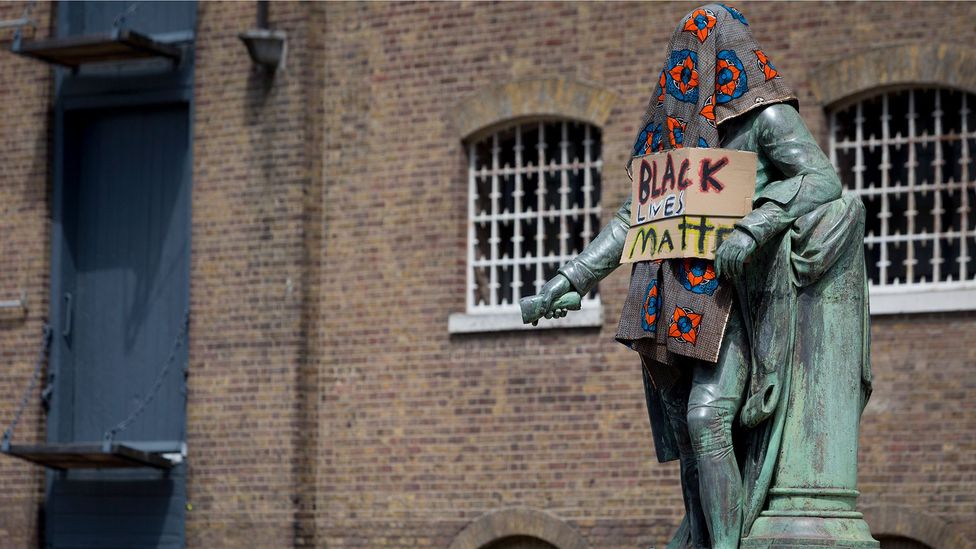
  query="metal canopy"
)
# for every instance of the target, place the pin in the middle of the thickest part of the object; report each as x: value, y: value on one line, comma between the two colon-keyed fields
x: 117, y: 45
x: 72, y: 455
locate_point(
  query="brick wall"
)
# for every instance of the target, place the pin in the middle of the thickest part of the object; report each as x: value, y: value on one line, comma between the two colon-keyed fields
x: 429, y: 431
x: 25, y: 96
x: 328, y: 405
x: 251, y: 412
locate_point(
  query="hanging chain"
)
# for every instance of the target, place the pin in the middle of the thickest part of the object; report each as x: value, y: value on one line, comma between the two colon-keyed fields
x: 38, y: 367
x: 25, y: 20
x: 124, y: 424
x: 121, y: 17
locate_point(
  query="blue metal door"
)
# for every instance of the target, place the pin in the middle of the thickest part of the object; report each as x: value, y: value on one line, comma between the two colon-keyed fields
x: 130, y: 245
x: 124, y: 275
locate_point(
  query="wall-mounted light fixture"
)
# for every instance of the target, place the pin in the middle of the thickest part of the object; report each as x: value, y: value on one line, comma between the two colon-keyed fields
x: 266, y: 47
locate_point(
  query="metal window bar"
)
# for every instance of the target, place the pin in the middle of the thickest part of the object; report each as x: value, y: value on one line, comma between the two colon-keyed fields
x: 885, y: 173
x: 472, y: 240
x: 564, y: 191
x: 910, y: 213
x: 845, y: 144
x: 937, y: 209
x: 493, y: 285
x: 964, y: 196
x: 524, y: 254
x: 540, y: 193
x: 910, y: 278
x: 587, y: 185
x: 532, y: 215
x: 517, y: 223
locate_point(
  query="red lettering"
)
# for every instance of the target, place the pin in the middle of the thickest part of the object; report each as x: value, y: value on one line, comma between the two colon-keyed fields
x: 708, y: 171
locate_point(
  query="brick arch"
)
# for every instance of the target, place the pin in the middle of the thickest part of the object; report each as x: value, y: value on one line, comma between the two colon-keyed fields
x: 546, y: 97
x: 910, y: 522
x: 527, y: 522
x: 902, y: 65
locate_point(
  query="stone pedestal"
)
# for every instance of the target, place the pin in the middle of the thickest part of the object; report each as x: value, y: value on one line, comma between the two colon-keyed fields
x: 812, y: 500
x: 799, y: 532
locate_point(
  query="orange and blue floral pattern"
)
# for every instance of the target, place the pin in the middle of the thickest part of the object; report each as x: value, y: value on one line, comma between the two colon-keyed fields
x: 698, y: 276
x: 649, y: 140
x: 730, y: 77
x: 652, y: 302
x: 708, y: 111
x: 769, y: 71
x: 700, y: 23
x: 661, y: 83
x: 684, y: 325
x: 676, y: 132
x: 736, y: 14
x: 682, y: 76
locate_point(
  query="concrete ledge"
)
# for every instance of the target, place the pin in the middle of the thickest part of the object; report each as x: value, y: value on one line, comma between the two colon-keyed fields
x: 893, y: 300
x: 951, y: 65
x: 507, y: 523
x: 548, y: 97
x: 590, y: 316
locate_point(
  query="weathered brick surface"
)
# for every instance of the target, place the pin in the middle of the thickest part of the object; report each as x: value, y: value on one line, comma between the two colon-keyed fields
x: 25, y: 94
x: 426, y: 429
x: 328, y: 406
x: 251, y: 411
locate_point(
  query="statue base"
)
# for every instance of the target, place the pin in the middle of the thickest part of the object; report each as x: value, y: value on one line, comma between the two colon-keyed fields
x: 773, y: 530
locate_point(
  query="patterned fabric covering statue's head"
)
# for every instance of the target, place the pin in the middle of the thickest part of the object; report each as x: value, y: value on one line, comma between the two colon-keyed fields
x: 714, y: 70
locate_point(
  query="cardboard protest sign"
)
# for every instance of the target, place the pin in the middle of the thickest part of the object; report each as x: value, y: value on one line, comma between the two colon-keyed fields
x: 685, y: 201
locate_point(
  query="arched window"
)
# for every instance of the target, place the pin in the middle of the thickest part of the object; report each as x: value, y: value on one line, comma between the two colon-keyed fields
x: 518, y: 528
x: 534, y: 203
x: 911, y: 156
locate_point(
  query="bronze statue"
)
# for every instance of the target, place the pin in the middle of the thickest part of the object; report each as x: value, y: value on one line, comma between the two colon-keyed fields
x: 755, y: 365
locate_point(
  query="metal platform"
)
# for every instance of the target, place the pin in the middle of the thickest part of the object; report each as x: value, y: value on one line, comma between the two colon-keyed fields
x: 64, y: 456
x: 117, y: 45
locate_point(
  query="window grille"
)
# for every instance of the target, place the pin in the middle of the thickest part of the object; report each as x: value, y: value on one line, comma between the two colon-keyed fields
x: 534, y: 203
x: 909, y: 155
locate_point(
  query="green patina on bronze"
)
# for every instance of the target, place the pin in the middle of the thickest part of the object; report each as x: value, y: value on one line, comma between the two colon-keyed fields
x: 803, y: 299
x: 800, y: 369
x: 759, y: 393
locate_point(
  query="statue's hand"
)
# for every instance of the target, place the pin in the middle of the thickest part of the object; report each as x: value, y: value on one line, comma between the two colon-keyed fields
x: 547, y: 302
x: 731, y: 256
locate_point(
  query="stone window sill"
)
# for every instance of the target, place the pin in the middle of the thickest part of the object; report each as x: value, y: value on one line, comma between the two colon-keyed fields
x: 590, y: 316
x: 894, y: 300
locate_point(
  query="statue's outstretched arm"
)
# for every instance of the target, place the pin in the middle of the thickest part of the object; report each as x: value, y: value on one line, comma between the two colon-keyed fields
x: 602, y: 255
x: 598, y: 259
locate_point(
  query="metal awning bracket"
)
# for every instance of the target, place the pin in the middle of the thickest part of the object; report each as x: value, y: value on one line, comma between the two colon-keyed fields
x: 20, y: 303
